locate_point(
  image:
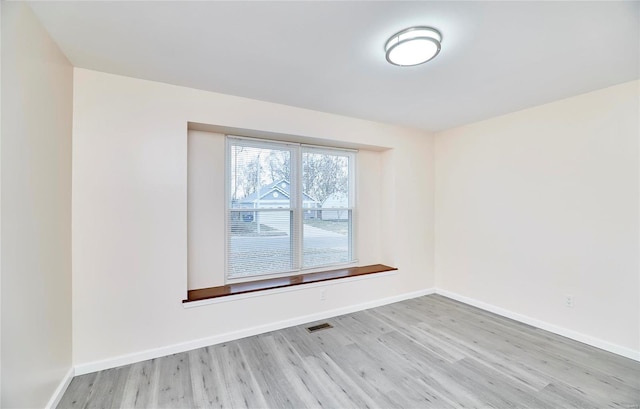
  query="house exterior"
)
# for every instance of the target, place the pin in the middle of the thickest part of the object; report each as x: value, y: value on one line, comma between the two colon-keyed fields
x: 337, y: 200
x: 273, y: 196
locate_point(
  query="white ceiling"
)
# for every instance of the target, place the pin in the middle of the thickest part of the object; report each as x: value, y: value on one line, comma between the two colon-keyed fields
x: 497, y: 57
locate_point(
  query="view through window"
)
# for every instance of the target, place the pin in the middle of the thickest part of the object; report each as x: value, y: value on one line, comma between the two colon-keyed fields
x: 290, y: 207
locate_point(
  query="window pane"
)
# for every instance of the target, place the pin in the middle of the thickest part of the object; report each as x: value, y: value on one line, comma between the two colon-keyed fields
x: 260, y: 177
x: 327, y: 232
x: 325, y: 179
x: 259, y: 243
x: 327, y: 238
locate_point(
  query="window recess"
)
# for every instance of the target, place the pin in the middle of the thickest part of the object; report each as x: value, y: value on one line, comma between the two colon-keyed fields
x: 290, y: 207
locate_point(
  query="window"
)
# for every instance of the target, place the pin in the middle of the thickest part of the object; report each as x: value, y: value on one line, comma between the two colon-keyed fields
x: 290, y: 208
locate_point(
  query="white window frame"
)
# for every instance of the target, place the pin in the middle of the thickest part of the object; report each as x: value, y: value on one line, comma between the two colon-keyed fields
x: 296, y: 204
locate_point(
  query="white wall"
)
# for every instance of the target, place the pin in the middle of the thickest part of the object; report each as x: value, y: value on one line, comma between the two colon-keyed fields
x: 130, y: 223
x: 37, y: 85
x: 543, y: 203
x: 205, y: 209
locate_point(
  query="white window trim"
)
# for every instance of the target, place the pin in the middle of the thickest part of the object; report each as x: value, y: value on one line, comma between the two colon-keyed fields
x: 296, y: 205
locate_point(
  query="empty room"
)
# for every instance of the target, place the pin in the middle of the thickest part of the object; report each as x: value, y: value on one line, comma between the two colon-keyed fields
x: 320, y: 204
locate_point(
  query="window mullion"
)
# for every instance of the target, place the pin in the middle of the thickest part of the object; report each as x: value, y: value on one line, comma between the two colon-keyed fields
x: 352, y: 205
x: 298, y: 236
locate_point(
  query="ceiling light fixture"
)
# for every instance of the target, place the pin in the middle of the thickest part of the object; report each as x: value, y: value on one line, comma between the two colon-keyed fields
x: 413, y: 46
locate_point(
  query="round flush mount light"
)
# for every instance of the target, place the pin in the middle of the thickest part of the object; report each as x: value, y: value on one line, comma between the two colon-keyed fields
x: 413, y: 46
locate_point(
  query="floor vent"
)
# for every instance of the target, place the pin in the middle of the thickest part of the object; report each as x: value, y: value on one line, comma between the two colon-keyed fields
x: 319, y: 327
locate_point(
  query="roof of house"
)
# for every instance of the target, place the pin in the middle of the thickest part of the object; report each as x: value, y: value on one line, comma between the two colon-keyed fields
x: 336, y: 199
x: 281, y: 186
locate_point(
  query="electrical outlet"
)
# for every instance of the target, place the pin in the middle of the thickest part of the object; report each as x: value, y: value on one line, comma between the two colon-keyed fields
x: 323, y: 294
x: 569, y: 301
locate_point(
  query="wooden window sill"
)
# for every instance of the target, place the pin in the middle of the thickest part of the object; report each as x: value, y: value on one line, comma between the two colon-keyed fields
x: 262, y: 285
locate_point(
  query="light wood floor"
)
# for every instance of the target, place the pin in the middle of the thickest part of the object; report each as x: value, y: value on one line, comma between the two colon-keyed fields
x: 429, y: 352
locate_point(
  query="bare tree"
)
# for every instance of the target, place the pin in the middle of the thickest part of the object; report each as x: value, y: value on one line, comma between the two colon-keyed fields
x: 279, y: 165
x: 246, y: 171
x: 324, y: 175
x: 252, y: 175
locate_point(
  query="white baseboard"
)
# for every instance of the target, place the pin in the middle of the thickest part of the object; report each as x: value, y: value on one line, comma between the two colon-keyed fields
x: 577, y: 336
x: 60, y: 390
x: 127, y: 359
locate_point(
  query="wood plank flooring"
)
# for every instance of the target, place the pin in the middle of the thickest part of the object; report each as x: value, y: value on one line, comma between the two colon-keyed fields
x: 428, y: 352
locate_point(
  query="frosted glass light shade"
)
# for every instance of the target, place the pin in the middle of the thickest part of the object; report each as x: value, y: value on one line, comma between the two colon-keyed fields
x: 413, y: 46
